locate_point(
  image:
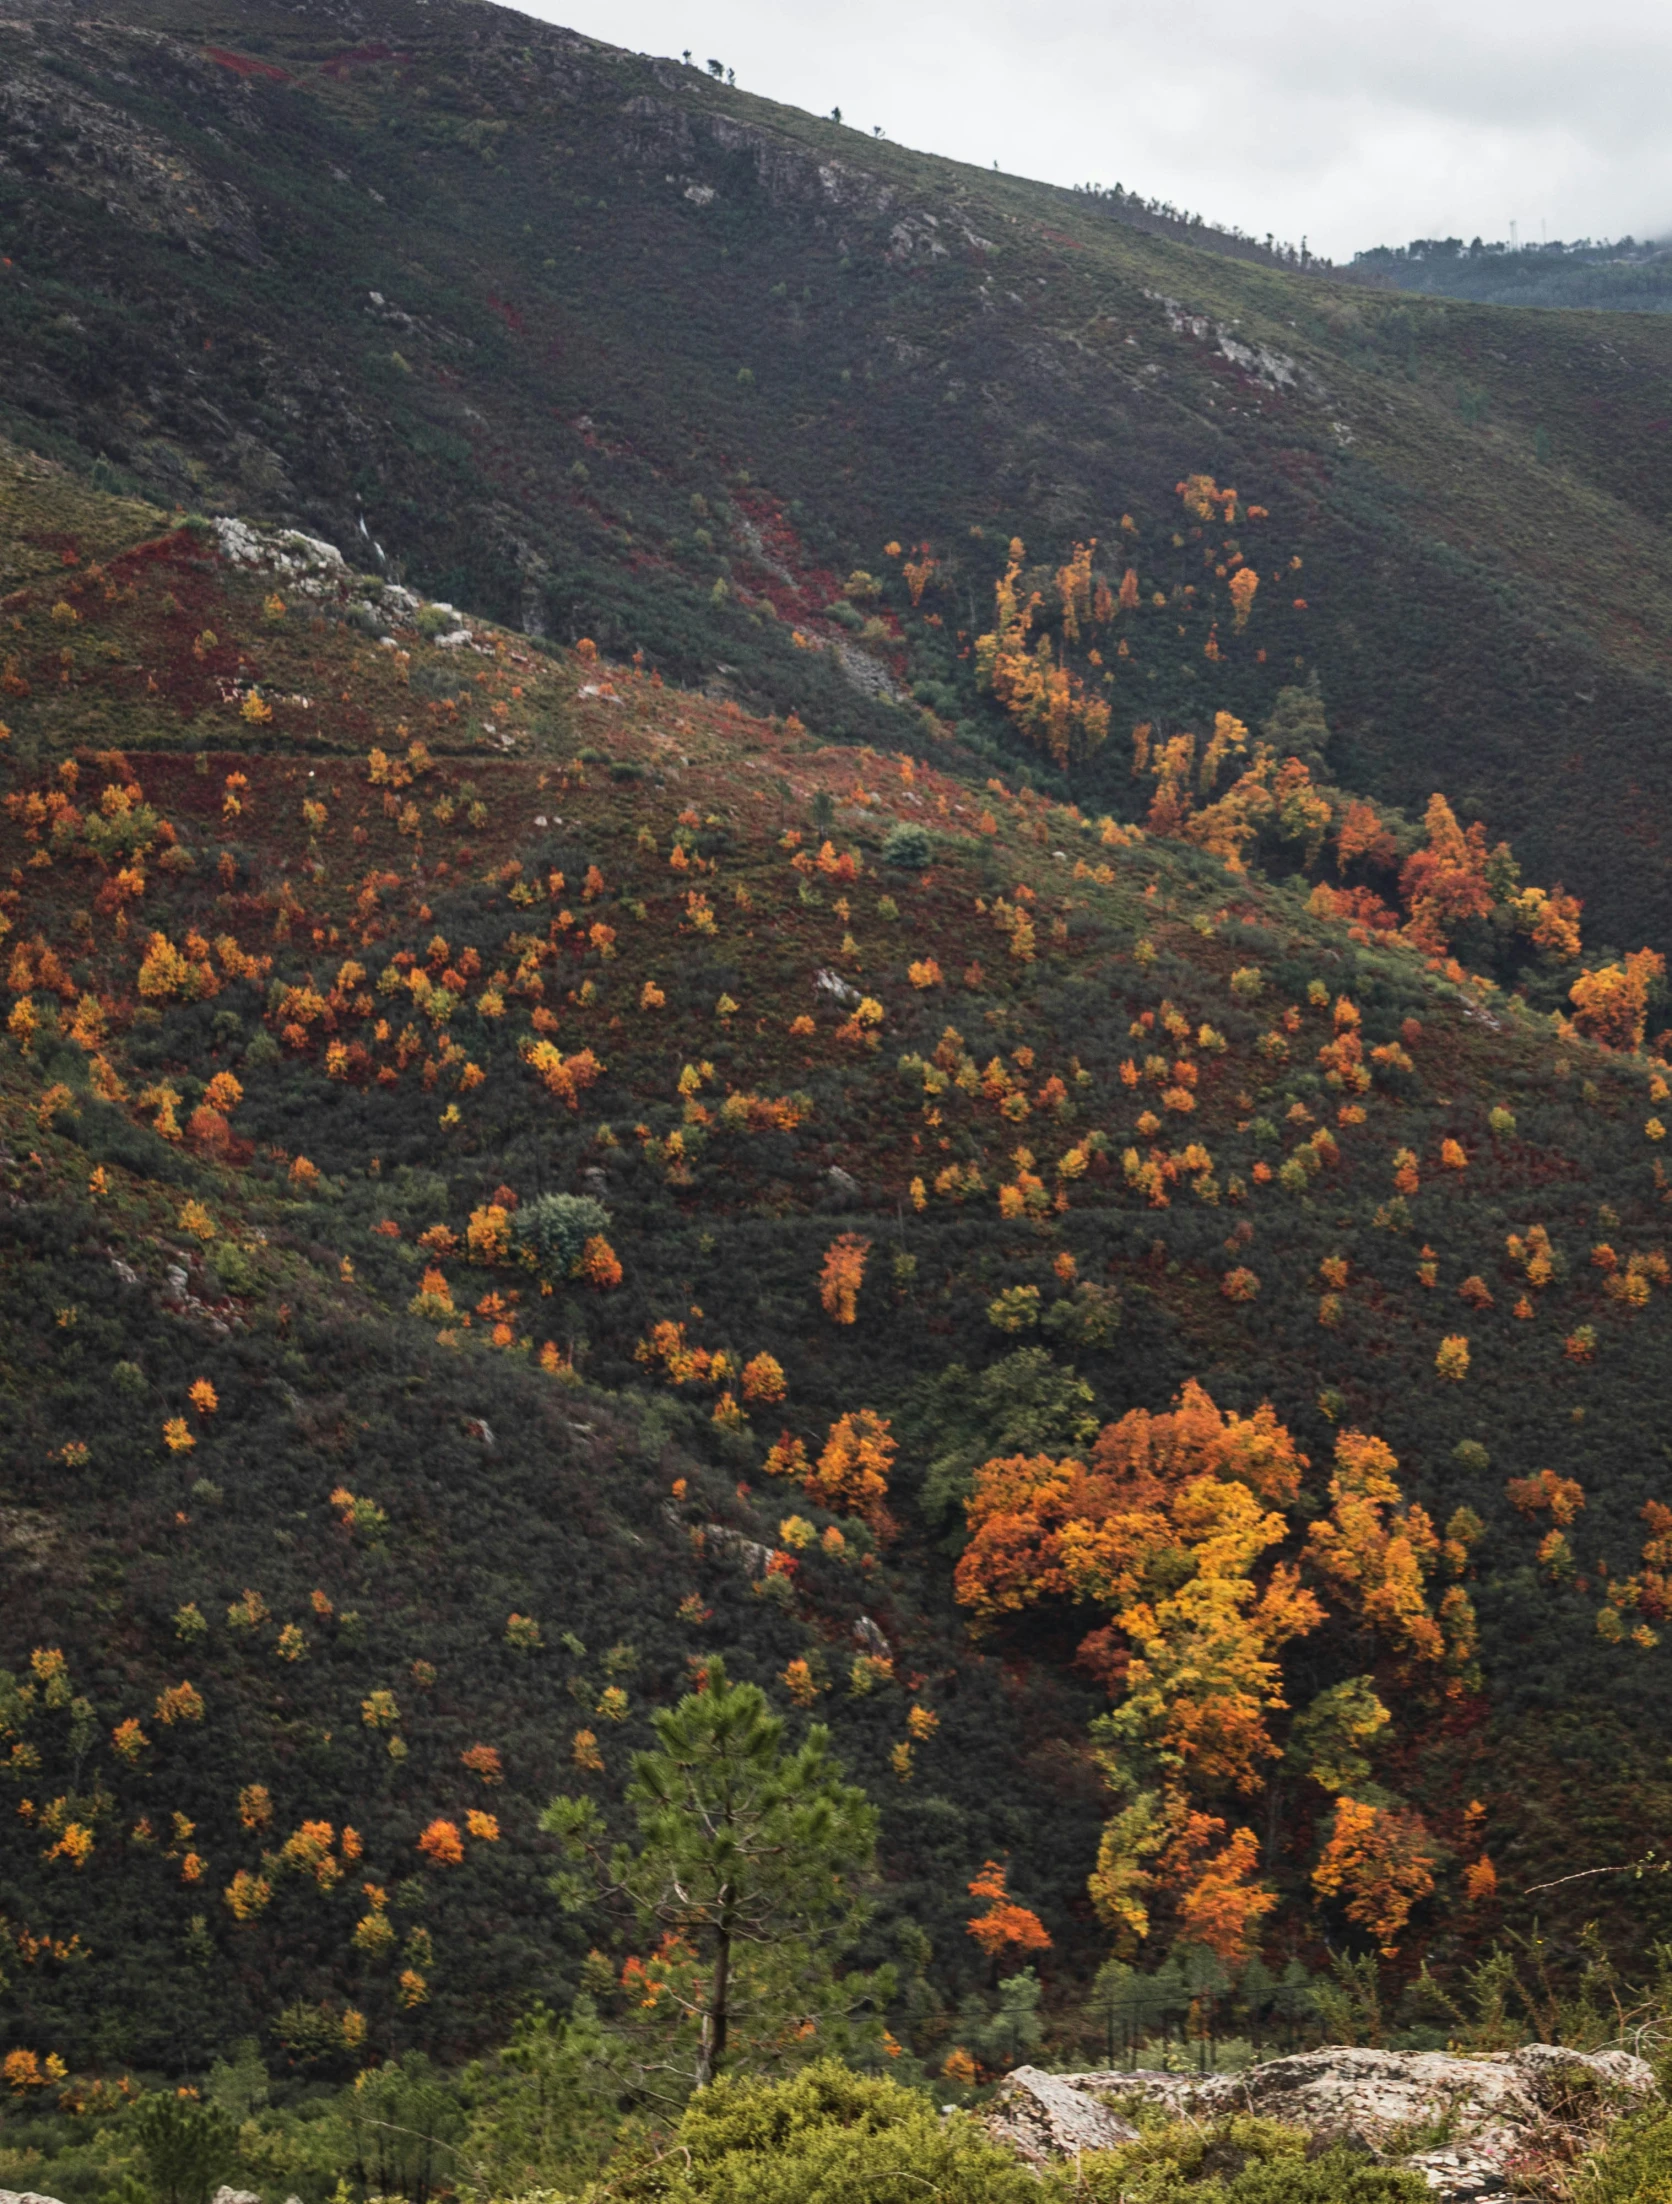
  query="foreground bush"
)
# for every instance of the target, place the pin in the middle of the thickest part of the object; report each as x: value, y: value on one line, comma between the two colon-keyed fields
x: 831, y: 2136
x: 827, y: 2137
x: 1635, y: 2167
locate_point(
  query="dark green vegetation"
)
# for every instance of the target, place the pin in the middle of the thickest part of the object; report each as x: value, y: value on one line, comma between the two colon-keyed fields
x: 601, y: 347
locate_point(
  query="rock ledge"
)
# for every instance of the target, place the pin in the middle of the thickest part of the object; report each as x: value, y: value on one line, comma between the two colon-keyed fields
x: 1480, y: 2129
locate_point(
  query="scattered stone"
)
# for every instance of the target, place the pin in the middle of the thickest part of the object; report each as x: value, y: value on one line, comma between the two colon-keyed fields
x: 27, y: 1539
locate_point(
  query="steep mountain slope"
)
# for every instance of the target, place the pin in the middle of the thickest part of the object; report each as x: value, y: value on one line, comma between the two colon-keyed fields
x: 342, y: 930
x: 596, y: 345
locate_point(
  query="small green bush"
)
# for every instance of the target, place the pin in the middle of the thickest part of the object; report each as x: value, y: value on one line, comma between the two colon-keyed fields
x: 237, y: 1272
x: 908, y: 847
x: 557, y: 1227
x: 1240, y: 2160
x: 187, y: 2147
x: 1635, y: 2167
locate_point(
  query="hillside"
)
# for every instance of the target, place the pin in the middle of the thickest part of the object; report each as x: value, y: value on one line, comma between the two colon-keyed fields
x: 598, y: 346
x: 761, y: 900
x: 343, y: 928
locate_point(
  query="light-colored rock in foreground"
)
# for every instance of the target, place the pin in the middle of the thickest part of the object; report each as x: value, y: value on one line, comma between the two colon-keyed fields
x: 1043, y: 2116
x: 1480, y: 2130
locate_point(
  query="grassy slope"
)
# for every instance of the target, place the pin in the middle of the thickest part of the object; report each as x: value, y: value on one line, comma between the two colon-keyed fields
x: 929, y: 349
x: 324, y: 1380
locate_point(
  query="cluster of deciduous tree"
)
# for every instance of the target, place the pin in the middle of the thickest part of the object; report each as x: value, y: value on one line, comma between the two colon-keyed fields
x: 1182, y: 1528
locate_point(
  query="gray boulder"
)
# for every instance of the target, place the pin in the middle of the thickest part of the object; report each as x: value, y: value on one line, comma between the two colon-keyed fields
x: 1487, y: 2128
x: 1044, y: 2116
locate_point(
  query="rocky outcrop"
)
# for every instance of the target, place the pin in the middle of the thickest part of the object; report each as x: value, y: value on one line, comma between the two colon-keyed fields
x: 52, y: 130
x: 1480, y: 2130
x: 1043, y: 2116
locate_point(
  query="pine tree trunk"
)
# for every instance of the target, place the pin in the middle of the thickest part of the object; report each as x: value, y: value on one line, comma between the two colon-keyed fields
x: 714, y: 2020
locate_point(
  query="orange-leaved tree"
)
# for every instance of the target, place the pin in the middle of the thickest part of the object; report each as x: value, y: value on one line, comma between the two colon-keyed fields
x: 1005, y: 1926
x: 852, y: 1472
x: 1380, y: 1862
x: 1379, y: 1556
x: 1444, y: 884
x: 1041, y: 693
x: 842, y: 1276
x: 1167, y: 1526
x: 1611, y: 1004
x: 1221, y: 1901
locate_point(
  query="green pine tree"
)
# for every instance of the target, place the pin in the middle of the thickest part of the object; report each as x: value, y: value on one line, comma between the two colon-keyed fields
x: 187, y: 2147
x: 750, y: 1872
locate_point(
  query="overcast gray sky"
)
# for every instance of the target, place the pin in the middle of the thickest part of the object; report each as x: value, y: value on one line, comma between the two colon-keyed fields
x: 1355, y: 122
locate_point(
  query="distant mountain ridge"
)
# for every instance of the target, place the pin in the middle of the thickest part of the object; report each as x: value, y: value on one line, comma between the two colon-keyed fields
x: 1625, y: 277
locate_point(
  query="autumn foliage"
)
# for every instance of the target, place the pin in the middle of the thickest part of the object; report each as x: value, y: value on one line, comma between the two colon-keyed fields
x: 1172, y: 1526
x: 1611, y: 1004
x: 1379, y: 1863
x: 842, y: 1276
x: 851, y: 1474
x: 1043, y: 695
x: 441, y: 1844
x: 1005, y: 1928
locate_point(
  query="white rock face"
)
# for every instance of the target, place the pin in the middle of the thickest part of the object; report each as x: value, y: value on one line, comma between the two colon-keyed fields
x: 283, y: 551
x: 1509, y: 2121
x: 832, y: 984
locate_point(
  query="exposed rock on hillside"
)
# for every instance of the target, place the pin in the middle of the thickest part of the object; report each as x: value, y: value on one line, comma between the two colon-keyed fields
x: 1489, y: 2127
